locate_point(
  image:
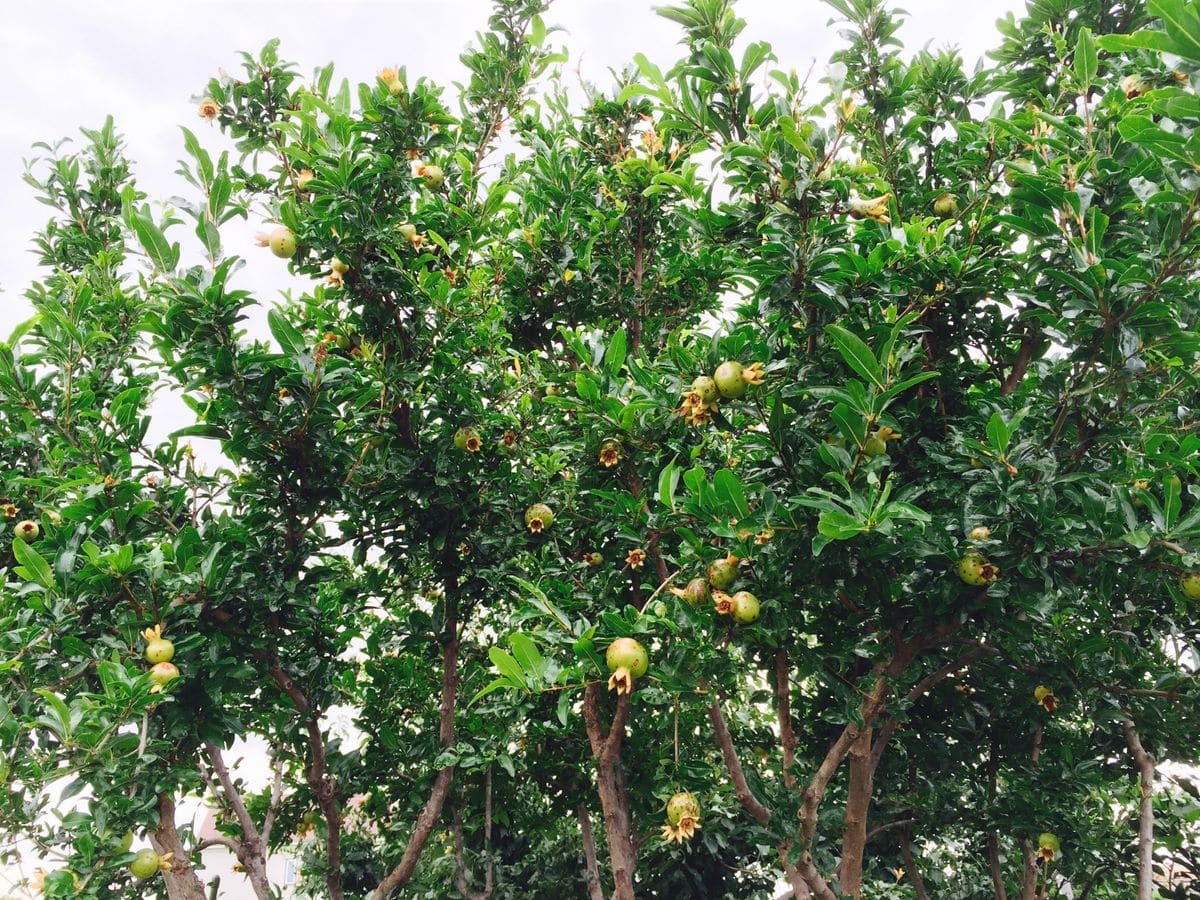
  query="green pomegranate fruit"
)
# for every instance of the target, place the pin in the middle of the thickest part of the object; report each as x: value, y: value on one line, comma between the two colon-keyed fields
x: 539, y: 517
x: 945, y: 206
x: 745, y: 607
x: 467, y: 439
x: 874, y: 446
x: 339, y: 265
x: 433, y: 176
x: 1189, y: 583
x: 163, y: 673
x: 628, y: 654
x: 696, y: 592
x: 660, y: 608
x: 27, y: 531
x: 682, y: 806
x: 1048, y: 846
x: 145, y: 864
x: 282, y: 242
x: 159, y: 650
x: 730, y: 381
x: 706, y: 388
x: 723, y: 573
x: 975, y: 569
x: 980, y: 533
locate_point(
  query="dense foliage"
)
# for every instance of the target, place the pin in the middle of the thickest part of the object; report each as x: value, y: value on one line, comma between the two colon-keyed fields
x: 955, y: 468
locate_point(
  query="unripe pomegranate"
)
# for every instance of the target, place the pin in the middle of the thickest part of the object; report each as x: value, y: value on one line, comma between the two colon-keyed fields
x: 282, y: 242
x: 745, y: 607
x: 975, y: 569
x: 1044, y: 696
x: 145, y: 864
x: 468, y: 440
x: 1048, y: 846
x: 705, y: 387
x: 627, y: 660
x: 341, y: 267
x: 695, y: 593
x: 163, y: 673
x: 593, y: 558
x: 723, y: 572
x: 945, y: 206
x: 27, y: 530
x: 1189, y: 583
x: 874, y: 446
x: 980, y: 533
x: 682, y: 806
x: 610, y: 453
x: 539, y: 517
x: 158, y: 648
x: 730, y: 381
x: 433, y: 176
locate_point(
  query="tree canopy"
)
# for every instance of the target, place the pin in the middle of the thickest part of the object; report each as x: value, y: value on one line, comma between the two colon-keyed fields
x: 725, y: 477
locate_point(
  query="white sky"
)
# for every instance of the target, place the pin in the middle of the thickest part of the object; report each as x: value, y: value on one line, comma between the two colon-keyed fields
x: 147, y: 62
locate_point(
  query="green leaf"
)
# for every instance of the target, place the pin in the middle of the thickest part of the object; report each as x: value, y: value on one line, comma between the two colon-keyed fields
x: 508, y: 667
x: 998, y: 433
x: 527, y: 655
x: 1181, y: 21
x: 668, y: 482
x: 614, y: 356
x: 856, y: 353
x: 1086, y: 62
x: 32, y: 567
x: 291, y: 340
x: 839, y: 525
x: 729, y: 491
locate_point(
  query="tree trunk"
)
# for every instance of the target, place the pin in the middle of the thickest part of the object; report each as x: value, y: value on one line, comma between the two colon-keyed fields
x: 595, y: 891
x: 432, y: 811
x: 181, y: 879
x: 1145, y: 766
x: 910, y: 866
x: 858, y: 805
x: 614, y: 801
x: 1029, y: 881
x: 993, y: 854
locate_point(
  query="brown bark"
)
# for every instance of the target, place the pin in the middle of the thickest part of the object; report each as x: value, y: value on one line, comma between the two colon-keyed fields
x: 795, y: 880
x: 858, y: 804
x: 1145, y: 767
x: 181, y: 880
x: 783, y: 702
x: 610, y: 782
x: 741, y: 788
x: 920, y: 689
x: 463, y: 879
x: 595, y: 891
x: 1029, y: 880
x: 251, y: 850
x: 910, y: 866
x: 1020, y: 364
x: 432, y: 811
x: 993, y: 854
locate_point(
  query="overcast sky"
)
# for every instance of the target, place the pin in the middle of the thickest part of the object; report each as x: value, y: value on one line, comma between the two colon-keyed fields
x: 146, y: 63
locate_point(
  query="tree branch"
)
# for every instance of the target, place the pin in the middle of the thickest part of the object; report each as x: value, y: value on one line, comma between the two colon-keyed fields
x: 432, y: 811
x: 783, y: 705
x: 595, y: 891
x: 1145, y: 766
x: 741, y: 788
x: 910, y: 866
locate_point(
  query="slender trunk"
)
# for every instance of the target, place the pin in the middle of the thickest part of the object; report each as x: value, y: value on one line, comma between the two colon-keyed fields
x: 858, y: 805
x: 795, y: 880
x: 181, y: 880
x: 741, y: 787
x: 1145, y: 766
x: 910, y: 866
x: 595, y: 891
x: 400, y: 875
x: 993, y: 841
x: 1029, y: 881
x: 993, y: 853
x: 251, y: 850
x: 614, y: 801
x: 783, y: 700
x: 464, y: 877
